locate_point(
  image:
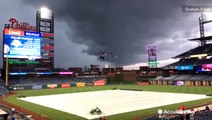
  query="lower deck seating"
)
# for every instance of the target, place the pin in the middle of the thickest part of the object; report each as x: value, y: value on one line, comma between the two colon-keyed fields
x: 3, y: 90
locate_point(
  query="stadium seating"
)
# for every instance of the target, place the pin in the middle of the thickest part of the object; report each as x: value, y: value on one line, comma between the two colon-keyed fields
x: 175, y: 117
x: 204, y: 115
x: 14, y: 115
x: 188, y: 62
x: 171, y: 77
x: 200, y: 77
x: 184, y: 77
x: 159, y: 78
x: 3, y: 90
x: 204, y: 61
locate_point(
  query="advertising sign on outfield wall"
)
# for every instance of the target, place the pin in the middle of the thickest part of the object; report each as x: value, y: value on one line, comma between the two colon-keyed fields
x: 65, y: 85
x: 179, y: 83
x: 21, y: 88
x: 52, y: 85
x: 37, y: 87
x: 99, y: 83
x: 90, y: 84
x: 142, y: 83
x: 80, y: 84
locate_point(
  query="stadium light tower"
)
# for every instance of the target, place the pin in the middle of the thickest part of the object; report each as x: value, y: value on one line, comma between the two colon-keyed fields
x: 45, y: 24
x: 204, y: 19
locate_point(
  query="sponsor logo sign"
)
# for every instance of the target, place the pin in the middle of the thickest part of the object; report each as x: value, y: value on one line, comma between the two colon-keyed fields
x: 52, y: 85
x: 13, y: 32
x: 90, y: 84
x: 80, y: 84
x: 99, y: 83
x: 65, y: 85
x: 37, y: 87
x: 142, y: 83
x: 19, y: 88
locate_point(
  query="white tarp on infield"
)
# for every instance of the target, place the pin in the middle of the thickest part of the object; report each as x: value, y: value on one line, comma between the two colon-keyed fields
x: 110, y: 101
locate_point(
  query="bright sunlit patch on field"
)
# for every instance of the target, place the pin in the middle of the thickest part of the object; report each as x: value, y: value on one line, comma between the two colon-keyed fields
x: 110, y: 101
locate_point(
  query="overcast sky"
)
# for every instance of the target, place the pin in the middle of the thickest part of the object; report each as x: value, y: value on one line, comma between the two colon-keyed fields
x: 86, y: 28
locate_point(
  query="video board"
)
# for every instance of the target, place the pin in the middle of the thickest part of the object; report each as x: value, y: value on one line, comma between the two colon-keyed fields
x: 205, y: 67
x: 22, y: 44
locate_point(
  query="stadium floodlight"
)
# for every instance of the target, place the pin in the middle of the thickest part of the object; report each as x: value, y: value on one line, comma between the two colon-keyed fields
x: 199, y: 55
x: 106, y: 66
x: 46, y: 13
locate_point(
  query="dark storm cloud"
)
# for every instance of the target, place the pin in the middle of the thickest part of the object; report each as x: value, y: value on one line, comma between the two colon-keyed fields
x: 123, y: 27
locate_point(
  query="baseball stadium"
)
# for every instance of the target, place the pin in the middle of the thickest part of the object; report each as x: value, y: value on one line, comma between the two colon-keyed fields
x: 31, y: 88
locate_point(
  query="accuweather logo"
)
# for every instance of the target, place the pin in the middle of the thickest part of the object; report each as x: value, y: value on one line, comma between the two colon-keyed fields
x: 160, y: 111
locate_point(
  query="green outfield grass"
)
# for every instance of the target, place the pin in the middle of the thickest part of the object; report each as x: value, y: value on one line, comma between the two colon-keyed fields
x: 59, y: 115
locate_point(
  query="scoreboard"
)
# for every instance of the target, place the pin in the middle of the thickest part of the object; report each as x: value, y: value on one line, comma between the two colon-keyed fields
x: 22, y: 44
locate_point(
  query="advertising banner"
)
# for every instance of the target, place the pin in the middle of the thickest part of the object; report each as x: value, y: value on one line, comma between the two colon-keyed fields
x: 48, y: 34
x: 37, y: 87
x: 20, y: 73
x: 186, y: 67
x: 14, y: 32
x: 15, y: 88
x: 52, y: 85
x: 90, y: 84
x: 23, y: 62
x: 179, y: 83
x: 19, y: 88
x: 142, y: 83
x: 80, y: 84
x: 48, y: 47
x: 99, y: 83
x: 65, y: 85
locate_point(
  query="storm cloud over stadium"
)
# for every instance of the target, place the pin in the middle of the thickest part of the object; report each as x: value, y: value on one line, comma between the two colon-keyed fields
x: 86, y: 28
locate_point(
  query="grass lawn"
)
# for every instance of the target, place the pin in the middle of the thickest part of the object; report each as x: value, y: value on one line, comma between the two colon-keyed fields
x: 59, y: 115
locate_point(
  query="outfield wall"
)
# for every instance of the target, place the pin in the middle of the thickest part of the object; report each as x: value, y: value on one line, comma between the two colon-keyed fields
x: 52, y: 86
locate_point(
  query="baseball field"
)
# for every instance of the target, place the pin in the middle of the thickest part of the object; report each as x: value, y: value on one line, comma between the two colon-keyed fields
x: 75, y: 103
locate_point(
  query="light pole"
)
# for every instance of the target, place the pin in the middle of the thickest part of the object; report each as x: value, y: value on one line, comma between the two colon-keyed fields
x: 6, y: 51
x: 203, y: 19
x: 7, y: 60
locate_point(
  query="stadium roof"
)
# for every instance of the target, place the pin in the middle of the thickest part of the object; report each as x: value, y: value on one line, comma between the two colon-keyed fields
x: 201, y: 50
x: 201, y: 38
x: 193, y: 61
